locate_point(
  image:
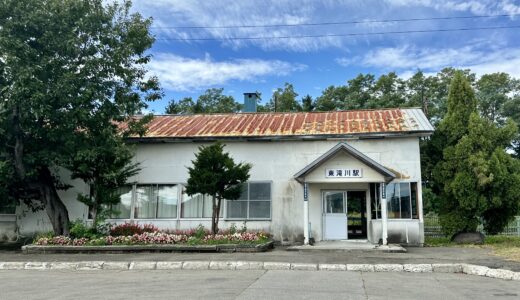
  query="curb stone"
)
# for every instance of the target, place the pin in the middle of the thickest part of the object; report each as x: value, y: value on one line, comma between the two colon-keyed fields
x: 468, y: 269
x: 474, y: 270
x: 388, y: 268
x: 195, y: 265
x: 223, y: 265
x: 89, y: 265
x: 360, y: 267
x: 500, y: 274
x: 304, y: 267
x: 447, y: 268
x: 250, y: 265
x: 332, y: 267
x: 63, y: 266
x: 143, y: 265
x: 277, y: 266
x: 12, y: 265
x: 418, y: 268
x: 116, y: 265
x: 36, y: 266
x: 169, y: 265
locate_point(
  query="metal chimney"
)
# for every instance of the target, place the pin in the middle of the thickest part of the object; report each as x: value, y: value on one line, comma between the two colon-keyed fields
x: 250, y: 101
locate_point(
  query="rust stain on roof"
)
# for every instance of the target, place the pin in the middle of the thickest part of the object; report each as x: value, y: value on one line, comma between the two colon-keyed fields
x: 288, y: 124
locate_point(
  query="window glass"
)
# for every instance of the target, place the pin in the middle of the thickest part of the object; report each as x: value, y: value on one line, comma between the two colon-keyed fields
x: 167, y: 201
x: 253, y: 203
x: 404, y: 193
x: 334, y: 202
x: 375, y: 203
x: 191, y: 206
x: 413, y: 195
x: 245, y: 192
x: 122, y: 210
x: 145, y: 202
x: 237, y: 209
x: 259, y: 191
x: 259, y: 209
x: 392, y: 200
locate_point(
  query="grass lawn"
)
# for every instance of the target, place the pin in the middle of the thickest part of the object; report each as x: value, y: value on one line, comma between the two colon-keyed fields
x: 500, y: 245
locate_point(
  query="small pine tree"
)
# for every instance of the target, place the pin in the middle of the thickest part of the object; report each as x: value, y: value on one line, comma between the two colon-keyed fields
x: 477, y: 179
x: 215, y: 173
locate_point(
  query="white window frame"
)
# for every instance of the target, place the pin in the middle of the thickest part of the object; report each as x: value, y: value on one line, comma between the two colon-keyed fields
x: 134, y: 200
x: 400, y: 212
x: 247, y: 218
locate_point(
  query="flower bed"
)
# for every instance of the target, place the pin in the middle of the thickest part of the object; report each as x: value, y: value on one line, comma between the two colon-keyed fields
x: 156, y: 238
x: 150, y: 235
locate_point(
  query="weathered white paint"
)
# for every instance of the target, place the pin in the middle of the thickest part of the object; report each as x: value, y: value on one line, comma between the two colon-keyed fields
x: 272, y: 161
x: 384, y: 218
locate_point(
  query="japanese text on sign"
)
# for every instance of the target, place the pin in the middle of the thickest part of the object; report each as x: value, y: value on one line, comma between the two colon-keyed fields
x: 343, y: 173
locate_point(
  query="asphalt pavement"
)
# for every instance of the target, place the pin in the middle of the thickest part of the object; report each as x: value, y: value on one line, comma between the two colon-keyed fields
x: 415, y: 255
x: 254, y: 284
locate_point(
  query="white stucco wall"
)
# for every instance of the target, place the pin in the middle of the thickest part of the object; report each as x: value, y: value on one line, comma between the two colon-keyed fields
x: 272, y: 161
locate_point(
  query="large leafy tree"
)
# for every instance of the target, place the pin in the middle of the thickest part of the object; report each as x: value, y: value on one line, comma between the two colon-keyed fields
x: 212, y: 101
x: 215, y: 173
x: 104, y: 163
x: 67, y: 68
x: 284, y: 99
x: 477, y: 178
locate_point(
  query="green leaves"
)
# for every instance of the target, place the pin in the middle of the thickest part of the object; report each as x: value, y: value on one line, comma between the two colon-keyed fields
x: 212, y: 101
x: 215, y: 173
x: 478, y: 179
x: 69, y: 70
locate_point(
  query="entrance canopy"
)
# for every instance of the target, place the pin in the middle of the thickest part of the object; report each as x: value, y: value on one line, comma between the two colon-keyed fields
x: 344, y: 163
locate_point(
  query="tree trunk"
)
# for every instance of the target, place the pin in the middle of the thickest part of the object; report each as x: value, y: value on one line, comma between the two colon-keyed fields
x: 214, y: 224
x: 56, y: 210
x: 94, y: 206
x: 215, y: 216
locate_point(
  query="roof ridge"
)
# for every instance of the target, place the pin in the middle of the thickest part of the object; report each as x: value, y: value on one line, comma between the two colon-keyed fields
x: 284, y: 112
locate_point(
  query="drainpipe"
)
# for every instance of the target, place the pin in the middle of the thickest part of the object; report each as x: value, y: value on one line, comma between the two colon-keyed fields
x: 305, y: 213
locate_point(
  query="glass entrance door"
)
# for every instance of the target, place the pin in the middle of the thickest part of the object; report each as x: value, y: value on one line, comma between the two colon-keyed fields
x: 334, y: 215
x: 356, y: 214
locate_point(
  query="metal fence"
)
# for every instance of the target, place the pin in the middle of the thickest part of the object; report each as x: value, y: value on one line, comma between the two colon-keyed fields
x: 432, y: 227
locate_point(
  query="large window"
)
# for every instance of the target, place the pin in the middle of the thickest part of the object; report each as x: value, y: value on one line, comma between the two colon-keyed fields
x: 198, y: 206
x: 150, y: 202
x: 123, y: 209
x: 169, y: 201
x: 254, y: 202
x: 401, y: 199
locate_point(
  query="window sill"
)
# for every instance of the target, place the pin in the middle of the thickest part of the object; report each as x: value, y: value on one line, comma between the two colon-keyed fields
x: 7, y: 217
x: 390, y: 220
x: 247, y: 220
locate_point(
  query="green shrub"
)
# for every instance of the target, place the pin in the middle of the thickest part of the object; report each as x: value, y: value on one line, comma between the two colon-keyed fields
x: 233, y: 228
x: 78, y: 229
x: 200, y: 232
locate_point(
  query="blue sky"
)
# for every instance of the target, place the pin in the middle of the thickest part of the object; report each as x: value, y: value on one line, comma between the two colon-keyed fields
x: 187, y: 68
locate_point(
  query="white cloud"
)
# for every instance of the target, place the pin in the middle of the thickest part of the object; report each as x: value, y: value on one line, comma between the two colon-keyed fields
x: 213, y: 13
x: 475, y: 7
x: 480, y: 58
x: 184, y: 74
x: 344, y: 61
x: 205, y: 13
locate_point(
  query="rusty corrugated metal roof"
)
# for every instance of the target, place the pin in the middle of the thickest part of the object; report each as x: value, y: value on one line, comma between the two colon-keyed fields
x: 334, y: 123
